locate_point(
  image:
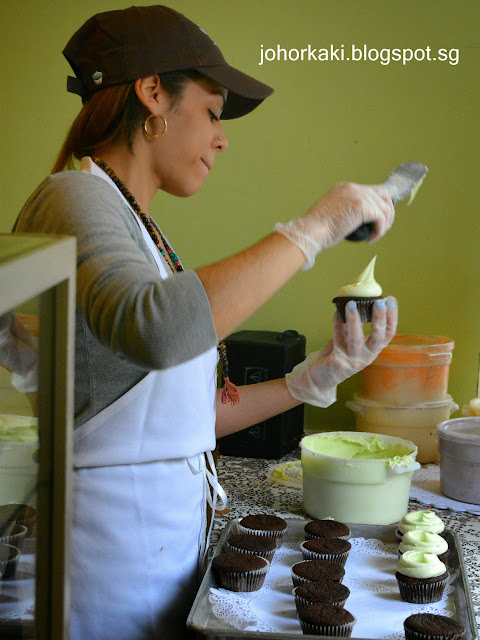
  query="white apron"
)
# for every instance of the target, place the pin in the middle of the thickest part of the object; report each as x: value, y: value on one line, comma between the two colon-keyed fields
x: 140, y: 489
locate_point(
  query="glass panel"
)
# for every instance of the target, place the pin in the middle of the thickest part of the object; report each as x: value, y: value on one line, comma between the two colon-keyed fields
x: 19, y: 340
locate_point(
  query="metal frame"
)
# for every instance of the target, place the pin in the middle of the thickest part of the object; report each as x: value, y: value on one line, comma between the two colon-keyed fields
x: 38, y: 265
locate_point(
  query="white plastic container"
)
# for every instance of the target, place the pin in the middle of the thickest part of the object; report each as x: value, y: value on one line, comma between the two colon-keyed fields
x: 371, y: 489
x: 415, y: 422
x: 18, y: 468
x: 459, y: 444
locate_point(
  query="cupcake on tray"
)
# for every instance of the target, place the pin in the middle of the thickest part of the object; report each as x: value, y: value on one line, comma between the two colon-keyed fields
x: 326, y: 620
x: 264, y: 524
x: 239, y: 571
x: 262, y: 546
x: 316, y: 571
x: 328, y: 592
x: 430, y: 626
x: 326, y: 529
x: 425, y: 520
x: 421, y: 577
x: 334, y: 549
x: 363, y: 291
x: 419, y: 540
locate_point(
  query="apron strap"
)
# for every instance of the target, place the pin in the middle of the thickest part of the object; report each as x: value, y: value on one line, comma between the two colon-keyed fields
x: 214, y: 493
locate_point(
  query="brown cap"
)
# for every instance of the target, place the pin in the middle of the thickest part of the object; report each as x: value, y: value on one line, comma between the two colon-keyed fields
x: 120, y: 46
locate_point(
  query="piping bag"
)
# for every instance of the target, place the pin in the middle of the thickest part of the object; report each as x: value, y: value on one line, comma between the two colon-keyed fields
x: 405, y: 180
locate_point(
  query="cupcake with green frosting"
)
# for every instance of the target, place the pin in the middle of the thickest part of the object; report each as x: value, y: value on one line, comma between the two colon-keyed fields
x: 364, y: 290
x: 425, y: 520
x: 421, y: 577
x: 419, y: 540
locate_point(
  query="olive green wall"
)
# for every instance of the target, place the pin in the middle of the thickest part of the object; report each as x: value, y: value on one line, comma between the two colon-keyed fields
x: 327, y: 121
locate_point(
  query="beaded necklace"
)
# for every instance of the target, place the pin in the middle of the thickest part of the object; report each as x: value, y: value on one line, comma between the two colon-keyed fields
x: 230, y: 392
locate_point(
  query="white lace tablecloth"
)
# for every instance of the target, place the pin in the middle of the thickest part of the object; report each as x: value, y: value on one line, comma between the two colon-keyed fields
x: 250, y: 491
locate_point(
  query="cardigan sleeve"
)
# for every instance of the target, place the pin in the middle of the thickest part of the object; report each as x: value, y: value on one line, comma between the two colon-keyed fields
x: 152, y: 322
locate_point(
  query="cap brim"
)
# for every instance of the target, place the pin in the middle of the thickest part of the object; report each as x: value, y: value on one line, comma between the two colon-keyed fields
x: 244, y: 92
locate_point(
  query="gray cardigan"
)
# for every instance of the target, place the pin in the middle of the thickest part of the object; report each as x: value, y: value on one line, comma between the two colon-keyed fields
x: 128, y: 320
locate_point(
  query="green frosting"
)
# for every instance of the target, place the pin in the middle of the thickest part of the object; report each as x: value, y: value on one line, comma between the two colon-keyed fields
x: 18, y: 429
x: 357, y: 446
x: 418, y: 564
x: 364, y: 284
x: 426, y: 520
x: 419, y: 540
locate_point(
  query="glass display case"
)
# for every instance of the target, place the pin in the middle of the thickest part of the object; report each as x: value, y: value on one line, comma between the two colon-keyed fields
x: 37, y: 307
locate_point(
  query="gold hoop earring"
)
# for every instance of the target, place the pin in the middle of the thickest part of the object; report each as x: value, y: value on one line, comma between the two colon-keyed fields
x: 155, y: 135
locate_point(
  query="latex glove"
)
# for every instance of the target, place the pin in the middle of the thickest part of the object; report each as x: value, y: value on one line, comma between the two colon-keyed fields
x: 18, y: 352
x: 315, y: 380
x: 341, y: 211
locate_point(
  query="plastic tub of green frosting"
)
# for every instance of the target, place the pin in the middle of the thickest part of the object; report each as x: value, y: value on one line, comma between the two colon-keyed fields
x: 18, y: 466
x: 359, y: 478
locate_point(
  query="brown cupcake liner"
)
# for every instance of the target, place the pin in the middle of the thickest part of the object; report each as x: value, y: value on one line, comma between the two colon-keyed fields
x: 364, y: 306
x: 422, y: 593
x: 268, y: 554
x: 242, y: 580
x: 276, y: 535
x: 16, y: 536
x: 339, y: 558
x: 9, y: 556
x: 342, y: 631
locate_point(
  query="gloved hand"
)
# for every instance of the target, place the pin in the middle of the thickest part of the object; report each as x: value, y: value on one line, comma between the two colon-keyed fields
x: 315, y: 380
x: 18, y: 353
x: 341, y: 211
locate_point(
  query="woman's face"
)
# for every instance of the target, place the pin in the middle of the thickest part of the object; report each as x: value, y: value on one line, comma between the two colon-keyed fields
x: 184, y: 156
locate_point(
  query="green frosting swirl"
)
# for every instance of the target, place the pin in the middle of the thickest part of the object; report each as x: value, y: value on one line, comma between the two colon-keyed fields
x: 364, y: 284
x: 418, y: 564
x: 426, y: 520
x: 419, y: 540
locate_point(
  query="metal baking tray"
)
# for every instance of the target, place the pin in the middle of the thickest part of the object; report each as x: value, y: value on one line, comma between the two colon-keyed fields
x: 202, y: 619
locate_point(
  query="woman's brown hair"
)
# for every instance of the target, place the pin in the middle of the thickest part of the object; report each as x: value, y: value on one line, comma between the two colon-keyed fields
x: 113, y: 115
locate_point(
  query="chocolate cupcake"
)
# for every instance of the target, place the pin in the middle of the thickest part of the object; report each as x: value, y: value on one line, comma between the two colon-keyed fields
x: 363, y: 291
x: 418, y: 540
x: 326, y: 529
x: 247, y: 543
x: 264, y: 524
x: 239, y: 571
x: 430, y: 626
x: 20, y: 513
x: 334, y: 549
x: 316, y: 571
x: 421, y: 577
x: 328, y: 592
x: 12, y: 533
x: 326, y: 620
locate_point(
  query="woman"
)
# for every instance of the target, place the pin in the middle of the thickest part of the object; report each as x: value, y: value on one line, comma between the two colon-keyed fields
x: 147, y: 412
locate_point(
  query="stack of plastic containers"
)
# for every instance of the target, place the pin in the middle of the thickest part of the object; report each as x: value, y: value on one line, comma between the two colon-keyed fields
x: 404, y: 392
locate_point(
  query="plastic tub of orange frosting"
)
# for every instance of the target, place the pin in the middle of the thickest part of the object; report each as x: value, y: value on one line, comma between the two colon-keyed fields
x: 411, y: 369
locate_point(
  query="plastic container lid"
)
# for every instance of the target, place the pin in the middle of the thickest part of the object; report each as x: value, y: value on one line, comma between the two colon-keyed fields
x: 461, y: 431
x: 362, y: 401
x: 416, y: 350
